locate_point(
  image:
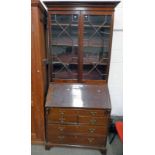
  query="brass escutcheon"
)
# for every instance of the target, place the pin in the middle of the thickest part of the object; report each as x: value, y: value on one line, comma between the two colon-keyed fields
x: 61, y: 128
x: 92, y: 130
x: 91, y: 140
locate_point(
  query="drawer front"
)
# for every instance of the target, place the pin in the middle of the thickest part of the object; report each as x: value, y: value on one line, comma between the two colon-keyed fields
x: 94, y: 120
x: 61, y: 139
x: 78, y: 140
x: 103, y: 113
x: 82, y: 112
x: 92, y: 140
x: 62, y: 119
x: 77, y: 129
x: 93, y: 130
x: 62, y: 111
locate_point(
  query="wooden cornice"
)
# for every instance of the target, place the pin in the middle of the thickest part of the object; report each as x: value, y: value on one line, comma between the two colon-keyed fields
x: 37, y: 3
x: 103, y: 4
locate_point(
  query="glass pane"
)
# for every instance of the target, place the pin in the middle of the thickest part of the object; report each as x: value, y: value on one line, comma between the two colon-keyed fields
x: 64, y: 43
x: 96, y: 46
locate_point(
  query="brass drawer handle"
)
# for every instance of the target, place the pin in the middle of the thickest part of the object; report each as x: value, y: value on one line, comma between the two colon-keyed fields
x: 60, y: 128
x: 93, y: 113
x: 62, y: 113
x: 91, y: 140
x: 91, y: 130
x: 62, y: 119
x: 93, y: 121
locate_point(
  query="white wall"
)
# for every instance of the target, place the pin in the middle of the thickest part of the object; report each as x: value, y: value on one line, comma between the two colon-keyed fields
x: 116, y: 67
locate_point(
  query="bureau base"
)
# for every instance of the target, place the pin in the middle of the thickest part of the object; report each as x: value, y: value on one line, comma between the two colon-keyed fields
x: 103, y: 150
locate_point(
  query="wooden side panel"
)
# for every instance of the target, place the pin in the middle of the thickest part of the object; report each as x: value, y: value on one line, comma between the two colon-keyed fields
x: 43, y: 52
x: 38, y: 74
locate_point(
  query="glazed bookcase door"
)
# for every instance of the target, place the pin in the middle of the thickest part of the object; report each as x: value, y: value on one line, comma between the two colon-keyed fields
x: 80, y: 45
x: 64, y: 45
x: 96, y: 45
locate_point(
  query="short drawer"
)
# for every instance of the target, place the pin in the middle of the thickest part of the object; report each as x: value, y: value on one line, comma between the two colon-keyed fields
x: 94, y: 120
x: 62, y: 111
x: 103, y: 113
x: 62, y: 119
x: 77, y: 129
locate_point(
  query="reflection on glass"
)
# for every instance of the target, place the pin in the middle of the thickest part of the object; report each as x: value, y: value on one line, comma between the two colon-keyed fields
x: 64, y: 46
x: 96, y: 46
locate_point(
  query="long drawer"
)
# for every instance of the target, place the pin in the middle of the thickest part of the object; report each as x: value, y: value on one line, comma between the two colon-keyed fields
x: 77, y: 129
x: 82, y: 112
x: 77, y: 140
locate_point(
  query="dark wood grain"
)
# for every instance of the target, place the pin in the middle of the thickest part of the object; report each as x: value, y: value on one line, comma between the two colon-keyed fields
x: 77, y: 129
x: 96, y: 82
x: 78, y: 96
x: 67, y: 119
x: 93, y: 120
x: 104, y: 5
x: 80, y: 53
x: 78, y: 140
x: 80, y: 112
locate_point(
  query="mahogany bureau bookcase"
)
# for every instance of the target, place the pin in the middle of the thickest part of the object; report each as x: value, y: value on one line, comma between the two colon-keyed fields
x: 77, y: 108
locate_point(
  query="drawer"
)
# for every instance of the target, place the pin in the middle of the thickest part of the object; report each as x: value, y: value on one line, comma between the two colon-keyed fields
x: 78, y: 140
x: 77, y: 129
x: 62, y: 119
x: 93, y: 130
x: 61, y: 139
x: 62, y: 111
x: 103, y: 113
x: 91, y: 140
x: 94, y: 120
x: 83, y: 112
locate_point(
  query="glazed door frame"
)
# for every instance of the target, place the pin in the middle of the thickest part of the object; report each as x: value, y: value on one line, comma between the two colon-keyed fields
x: 81, y: 14
x: 98, y: 13
x: 50, y: 13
